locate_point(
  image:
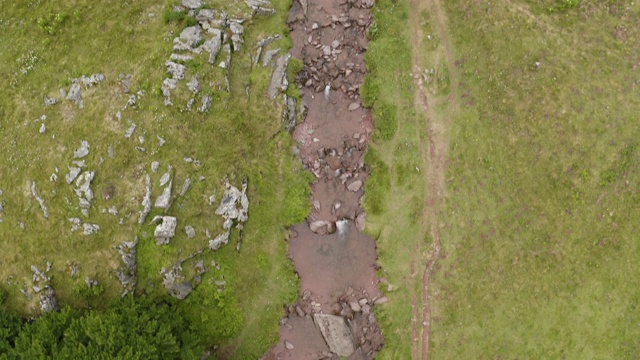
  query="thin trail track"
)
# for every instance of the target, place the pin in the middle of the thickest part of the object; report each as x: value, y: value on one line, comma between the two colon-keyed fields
x: 434, y: 153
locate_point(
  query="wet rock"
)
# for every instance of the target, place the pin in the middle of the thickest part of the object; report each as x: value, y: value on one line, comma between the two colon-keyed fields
x: 361, y: 221
x: 34, y: 192
x: 191, y: 232
x: 82, y: 151
x: 336, y: 333
x: 165, y: 230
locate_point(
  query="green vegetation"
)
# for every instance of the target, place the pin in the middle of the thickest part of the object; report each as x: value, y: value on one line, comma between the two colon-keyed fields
x: 542, y: 180
x: 240, y: 137
x: 394, y: 191
x: 128, y: 329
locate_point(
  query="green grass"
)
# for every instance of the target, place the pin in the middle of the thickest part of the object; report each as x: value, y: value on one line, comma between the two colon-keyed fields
x: 542, y: 186
x: 538, y: 220
x: 241, y: 136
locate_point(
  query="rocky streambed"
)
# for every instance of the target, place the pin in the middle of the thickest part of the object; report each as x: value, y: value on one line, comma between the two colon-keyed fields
x: 333, y: 316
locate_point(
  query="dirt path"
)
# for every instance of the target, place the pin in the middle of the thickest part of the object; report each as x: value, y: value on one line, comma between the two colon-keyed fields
x: 434, y: 151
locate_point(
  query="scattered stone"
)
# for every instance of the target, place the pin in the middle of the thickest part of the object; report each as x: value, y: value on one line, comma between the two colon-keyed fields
x: 125, y: 82
x: 175, y: 283
x: 354, y: 106
x: 75, y: 224
x: 288, y: 345
x: 146, y: 201
x: 192, y: 4
x: 220, y: 240
x: 206, y: 104
x: 130, y: 131
x: 73, y: 174
x: 34, y: 191
x: 213, y: 45
x: 180, y: 57
x: 49, y: 101
x: 191, y: 232
x: 154, y: 166
x: 261, y: 7
x: 193, y: 85
x: 165, y: 230
x: 53, y: 177
x: 185, y: 187
x: 127, y: 275
x: 161, y: 141
x: 90, y: 229
x: 82, y: 151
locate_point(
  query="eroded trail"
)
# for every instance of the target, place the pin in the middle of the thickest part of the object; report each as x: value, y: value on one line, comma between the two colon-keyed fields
x: 434, y: 150
x: 333, y: 316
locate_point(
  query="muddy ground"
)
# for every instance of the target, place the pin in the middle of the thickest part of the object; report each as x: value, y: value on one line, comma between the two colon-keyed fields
x: 336, y: 262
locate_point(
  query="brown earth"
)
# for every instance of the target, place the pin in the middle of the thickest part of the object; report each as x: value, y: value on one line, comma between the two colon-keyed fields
x: 335, y: 261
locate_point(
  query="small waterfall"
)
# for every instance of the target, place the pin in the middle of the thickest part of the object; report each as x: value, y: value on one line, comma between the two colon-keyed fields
x: 343, y: 226
x: 327, y: 90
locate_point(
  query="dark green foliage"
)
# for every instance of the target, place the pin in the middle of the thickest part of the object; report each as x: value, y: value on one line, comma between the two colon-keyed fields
x: 87, y: 292
x: 130, y: 329
x: 10, y: 324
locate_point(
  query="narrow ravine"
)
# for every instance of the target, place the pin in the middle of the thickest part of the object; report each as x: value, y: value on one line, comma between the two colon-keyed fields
x: 336, y: 262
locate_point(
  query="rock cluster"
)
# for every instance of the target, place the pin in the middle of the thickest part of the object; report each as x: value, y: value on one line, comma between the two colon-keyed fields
x: 127, y: 273
x: 41, y: 285
x: 234, y: 208
x: 75, y: 91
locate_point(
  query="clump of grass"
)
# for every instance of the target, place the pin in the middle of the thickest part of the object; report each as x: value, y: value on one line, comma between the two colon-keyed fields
x: 385, y: 121
x: 170, y: 15
x: 378, y: 184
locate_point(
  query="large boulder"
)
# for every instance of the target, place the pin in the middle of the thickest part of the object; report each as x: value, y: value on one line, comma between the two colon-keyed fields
x: 165, y: 230
x: 336, y: 333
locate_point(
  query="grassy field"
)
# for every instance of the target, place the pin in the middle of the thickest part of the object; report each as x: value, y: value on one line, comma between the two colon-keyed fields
x: 538, y: 220
x: 45, y: 45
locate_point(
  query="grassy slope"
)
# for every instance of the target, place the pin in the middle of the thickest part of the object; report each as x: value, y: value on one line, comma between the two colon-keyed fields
x: 236, y: 138
x: 542, y: 184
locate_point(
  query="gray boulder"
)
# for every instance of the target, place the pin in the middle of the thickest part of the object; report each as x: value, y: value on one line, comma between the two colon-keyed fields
x: 279, y: 80
x: 146, y: 201
x: 177, y: 71
x: 192, y: 4
x: 82, y: 151
x: 191, y: 35
x: 193, y: 85
x: 165, y: 230
x: 164, y: 200
x: 48, y: 300
x: 213, y: 45
x: 191, y: 232
x: 206, y: 104
x: 336, y: 333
